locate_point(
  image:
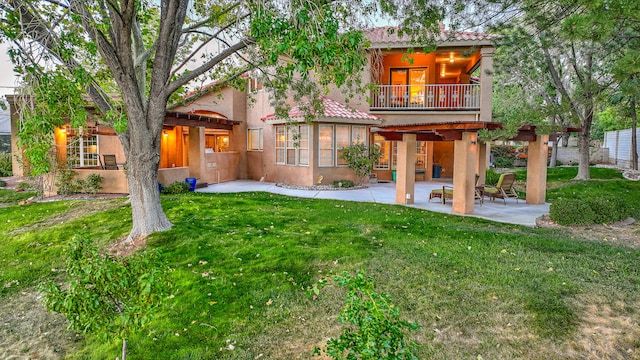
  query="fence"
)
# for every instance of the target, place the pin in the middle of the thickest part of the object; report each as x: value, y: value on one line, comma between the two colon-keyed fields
x: 619, y: 145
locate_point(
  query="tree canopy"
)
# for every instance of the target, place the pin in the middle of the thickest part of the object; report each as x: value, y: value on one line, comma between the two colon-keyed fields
x: 129, y: 58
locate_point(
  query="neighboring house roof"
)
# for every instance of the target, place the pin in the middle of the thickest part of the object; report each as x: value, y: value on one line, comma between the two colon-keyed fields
x: 388, y: 37
x: 333, y: 112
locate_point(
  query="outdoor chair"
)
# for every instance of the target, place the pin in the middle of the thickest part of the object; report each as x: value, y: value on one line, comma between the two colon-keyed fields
x: 503, y: 190
x: 447, y: 192
x: 109, y: 162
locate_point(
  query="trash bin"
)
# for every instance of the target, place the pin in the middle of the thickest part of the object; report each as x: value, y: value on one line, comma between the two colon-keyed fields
x: 159, y: 187
x: 393, y: 175
x: 192, y: 183
x: 436, y: 170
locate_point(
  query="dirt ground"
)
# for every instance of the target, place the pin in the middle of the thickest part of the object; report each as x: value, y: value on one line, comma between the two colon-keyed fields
x: 29, y: 332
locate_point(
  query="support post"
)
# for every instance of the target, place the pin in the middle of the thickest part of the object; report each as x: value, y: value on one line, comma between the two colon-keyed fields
x: 537, y: 170
x: 196, y: 152
x: 406, y: 169
x: 464, y: 166
x: 484, y: 149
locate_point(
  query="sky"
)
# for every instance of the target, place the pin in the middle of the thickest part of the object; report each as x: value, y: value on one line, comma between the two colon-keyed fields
x: 7, y: 77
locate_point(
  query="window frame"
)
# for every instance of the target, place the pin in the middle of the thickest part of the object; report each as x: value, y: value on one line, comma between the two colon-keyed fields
x: 260, y: 139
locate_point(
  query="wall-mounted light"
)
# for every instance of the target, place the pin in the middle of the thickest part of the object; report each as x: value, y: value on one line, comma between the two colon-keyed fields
x: 63, y: 130
x: 165, y: 133
x: 451, y: 58
x: 442, y: 70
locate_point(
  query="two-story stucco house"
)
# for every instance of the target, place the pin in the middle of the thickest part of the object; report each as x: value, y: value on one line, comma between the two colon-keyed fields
x: 424, y: 113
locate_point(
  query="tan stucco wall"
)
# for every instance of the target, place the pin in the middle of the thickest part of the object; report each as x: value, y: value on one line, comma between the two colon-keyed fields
x: 221, y: 167
x: 171, y: 175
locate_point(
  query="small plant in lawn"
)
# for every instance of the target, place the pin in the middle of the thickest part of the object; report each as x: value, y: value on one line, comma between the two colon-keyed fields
x: 107, y: 295
x: 178, y: 187
x: 360, y: 158
x: 373, y: 329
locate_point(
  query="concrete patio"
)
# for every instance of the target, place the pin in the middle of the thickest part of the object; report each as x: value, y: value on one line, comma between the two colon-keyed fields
x: 384, y: 193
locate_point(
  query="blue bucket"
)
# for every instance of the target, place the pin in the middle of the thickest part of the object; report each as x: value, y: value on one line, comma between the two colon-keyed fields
x: 192, y: 183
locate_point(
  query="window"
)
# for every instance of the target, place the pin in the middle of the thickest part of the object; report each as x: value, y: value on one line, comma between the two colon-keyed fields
x: 388, y: 146
x: 358, y: 134
x: 385, y: 148
x: 292, y: 145
x: 342, y: 141
x: 408, y: 86
x: 280, y: 145
x: 82, y: 147
x: 325, y: 157
x: 254, y: 84
x: 254, y: 139
x: 332, y: 143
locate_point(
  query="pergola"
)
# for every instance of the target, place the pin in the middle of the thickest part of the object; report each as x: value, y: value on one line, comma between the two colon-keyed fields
x: 471, y: 157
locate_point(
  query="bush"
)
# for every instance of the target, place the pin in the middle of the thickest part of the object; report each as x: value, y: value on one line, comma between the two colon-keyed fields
x: 178, y: 187
x: 66, y: 182
x: 372, y: 326
x: 607, y: 210
x: 595, y: 210
x: 343, y: 184
x: 25, y: 186
x: 91, y: 185
x: 491, y: 177
x: 5, y: 165
x: 3, y: 183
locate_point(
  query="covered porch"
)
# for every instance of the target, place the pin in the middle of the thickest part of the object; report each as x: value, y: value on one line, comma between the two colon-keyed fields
x: 471, y: 157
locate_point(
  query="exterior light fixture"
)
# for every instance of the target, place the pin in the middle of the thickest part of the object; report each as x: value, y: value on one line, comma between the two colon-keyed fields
x: 451, y: 58
x: 442, y: 70
x: 164, y: 133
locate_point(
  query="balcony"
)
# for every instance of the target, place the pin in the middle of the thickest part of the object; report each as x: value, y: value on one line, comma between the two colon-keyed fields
x: 438, y: 97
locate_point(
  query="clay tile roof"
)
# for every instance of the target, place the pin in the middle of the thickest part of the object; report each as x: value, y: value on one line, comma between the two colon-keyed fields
x: 332, y: 110
x: 389, y: 35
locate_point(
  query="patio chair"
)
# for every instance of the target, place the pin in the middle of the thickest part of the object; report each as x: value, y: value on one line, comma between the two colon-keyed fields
x: 109, y: 162
x: 503, y: 190
x: 447, y: 192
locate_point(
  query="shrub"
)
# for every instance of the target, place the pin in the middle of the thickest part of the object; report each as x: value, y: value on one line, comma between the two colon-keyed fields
x: 66, y: 182
x: 25, y: 186
x: 91, y: 185
x: 372, y: 329
x: 607, y: 209
x: 344, y: 184
x: 5, y: 165
x: 491, y: 177
x: 594, y: 210
x: 178, y: 187
x: 360, y: 158
x: 3, y: 183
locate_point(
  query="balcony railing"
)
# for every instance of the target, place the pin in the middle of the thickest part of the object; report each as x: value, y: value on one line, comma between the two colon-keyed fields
x: 426, y: 97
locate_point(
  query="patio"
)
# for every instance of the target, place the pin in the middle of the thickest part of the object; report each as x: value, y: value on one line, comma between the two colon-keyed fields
x: 385, y: 193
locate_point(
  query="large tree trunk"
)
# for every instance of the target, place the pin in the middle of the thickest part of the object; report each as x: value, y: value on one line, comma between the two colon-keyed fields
x: 142, y: 148
x: 583, y: 145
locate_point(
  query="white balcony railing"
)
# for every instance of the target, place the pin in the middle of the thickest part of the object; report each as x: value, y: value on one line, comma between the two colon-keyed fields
x: 426, y: 97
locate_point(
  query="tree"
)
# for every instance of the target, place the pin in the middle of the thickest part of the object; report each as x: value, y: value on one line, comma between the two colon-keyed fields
x: 146, y: 51
x: 574, y: 44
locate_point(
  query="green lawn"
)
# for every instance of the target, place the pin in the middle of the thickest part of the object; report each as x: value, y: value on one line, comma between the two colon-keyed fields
x: 240, y: 263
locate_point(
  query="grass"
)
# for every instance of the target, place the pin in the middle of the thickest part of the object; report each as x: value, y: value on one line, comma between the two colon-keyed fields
x: 240, y: 262
x: 14, y: 197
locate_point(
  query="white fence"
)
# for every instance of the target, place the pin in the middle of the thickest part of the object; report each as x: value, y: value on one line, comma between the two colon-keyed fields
x: 619, y: 145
